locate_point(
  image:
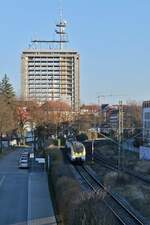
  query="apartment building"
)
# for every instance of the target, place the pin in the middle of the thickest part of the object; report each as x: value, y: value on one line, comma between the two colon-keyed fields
x: 51, y: 75
x: 52, y: 72
x: 111, y: 116
x: 90, y: 109
x: 146, y: 121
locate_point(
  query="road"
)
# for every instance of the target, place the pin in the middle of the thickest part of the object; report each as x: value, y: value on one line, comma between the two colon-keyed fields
x: 13, y: 191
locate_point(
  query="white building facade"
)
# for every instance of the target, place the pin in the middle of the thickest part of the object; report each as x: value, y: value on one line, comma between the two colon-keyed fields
x: 51, y: 75
x: 146, y: 121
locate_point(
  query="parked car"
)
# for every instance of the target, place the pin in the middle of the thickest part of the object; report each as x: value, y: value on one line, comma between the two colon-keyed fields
x: 23, y: 164
x: 23, y: 161
x: 25, y: 154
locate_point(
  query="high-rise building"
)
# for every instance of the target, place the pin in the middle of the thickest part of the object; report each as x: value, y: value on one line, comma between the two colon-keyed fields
x: 51, y: 73
x: 146, y: 121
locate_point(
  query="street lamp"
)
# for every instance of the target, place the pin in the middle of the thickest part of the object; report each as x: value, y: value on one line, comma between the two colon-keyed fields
x: 92, y: 150
x: 120, y: 134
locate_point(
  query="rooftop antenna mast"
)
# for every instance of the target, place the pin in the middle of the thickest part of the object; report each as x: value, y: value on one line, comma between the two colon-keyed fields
x: 60, y: 30
x: 61, y: 26
x: 61, y: 10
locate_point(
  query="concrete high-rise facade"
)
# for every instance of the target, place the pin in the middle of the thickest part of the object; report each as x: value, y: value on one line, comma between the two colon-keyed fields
x: 51, y: 75
x: 146, y: 121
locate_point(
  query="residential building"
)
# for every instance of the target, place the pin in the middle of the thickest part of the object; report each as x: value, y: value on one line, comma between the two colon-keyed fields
x: 146, y: 121
x: 111, y: 116
x: 90, y: 109
x: 51, y: 74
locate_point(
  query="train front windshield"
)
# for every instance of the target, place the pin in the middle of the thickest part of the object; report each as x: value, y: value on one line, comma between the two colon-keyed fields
x: 78, y: 148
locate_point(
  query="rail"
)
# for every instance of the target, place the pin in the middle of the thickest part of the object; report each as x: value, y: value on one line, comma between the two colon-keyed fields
x: 111, y: 165
x: 115, y: 204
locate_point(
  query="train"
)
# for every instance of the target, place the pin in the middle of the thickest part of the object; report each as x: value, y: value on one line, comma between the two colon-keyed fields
x: 75, y: 151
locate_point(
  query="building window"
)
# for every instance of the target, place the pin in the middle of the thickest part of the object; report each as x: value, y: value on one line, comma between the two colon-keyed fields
x: 147, y: 115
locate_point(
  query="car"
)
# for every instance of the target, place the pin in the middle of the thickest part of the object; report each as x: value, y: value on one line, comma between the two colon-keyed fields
x: 25, y: 153
x: 23, y: 161
x: 23, y: 164
x: 23, y: 158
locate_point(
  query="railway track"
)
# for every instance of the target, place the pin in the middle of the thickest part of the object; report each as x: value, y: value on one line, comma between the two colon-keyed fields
x: 124, y: 215
x: 111, y: 166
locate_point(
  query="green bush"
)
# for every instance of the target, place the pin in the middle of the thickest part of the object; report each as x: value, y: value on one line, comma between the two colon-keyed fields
x: 55, y: 141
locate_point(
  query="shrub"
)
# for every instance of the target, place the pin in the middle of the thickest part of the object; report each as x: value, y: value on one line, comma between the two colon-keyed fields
x: 67, y: 191
x: 55, y: 141
x: 75, y: 207
x: 91, y: 210
x: 82, y: 137
x: 62, y: 141
x: 113, y: 178
x: 56, y: 155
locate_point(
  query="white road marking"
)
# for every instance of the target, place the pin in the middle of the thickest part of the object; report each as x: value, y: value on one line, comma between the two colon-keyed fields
x: 29, y: 202
x: 2, y: 180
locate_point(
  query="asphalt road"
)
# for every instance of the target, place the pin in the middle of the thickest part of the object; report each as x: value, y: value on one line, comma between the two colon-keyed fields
x: 13, y: 191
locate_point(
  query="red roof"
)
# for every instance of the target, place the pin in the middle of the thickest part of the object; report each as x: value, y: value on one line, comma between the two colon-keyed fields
x: 56, y: 106
x: 90, y: 108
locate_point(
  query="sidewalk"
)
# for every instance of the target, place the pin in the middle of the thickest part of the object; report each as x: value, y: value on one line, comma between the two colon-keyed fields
x: 40, y: 209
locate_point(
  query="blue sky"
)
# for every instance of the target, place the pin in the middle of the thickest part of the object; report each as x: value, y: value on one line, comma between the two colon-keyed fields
x: 112, y: 37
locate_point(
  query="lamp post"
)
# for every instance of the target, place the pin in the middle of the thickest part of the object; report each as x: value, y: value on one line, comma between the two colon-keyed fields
x: 120, y: 135
x: 92, y: 150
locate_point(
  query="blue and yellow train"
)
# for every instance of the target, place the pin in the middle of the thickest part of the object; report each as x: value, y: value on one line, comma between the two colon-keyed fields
x: 76, y: 151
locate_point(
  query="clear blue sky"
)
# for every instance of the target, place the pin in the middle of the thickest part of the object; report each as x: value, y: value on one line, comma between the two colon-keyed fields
x: 112, y: 36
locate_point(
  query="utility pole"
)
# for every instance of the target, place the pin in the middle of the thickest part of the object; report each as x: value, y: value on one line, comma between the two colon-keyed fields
x: 99, y: 96
x: 100, y: 111
x: 120, y: 134
x: 92, y: 150
x: 100, y: 104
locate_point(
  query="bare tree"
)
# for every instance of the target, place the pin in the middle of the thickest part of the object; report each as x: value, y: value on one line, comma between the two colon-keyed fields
x: 56, y: 113
x: 90, y: 209
x: 133, y: 118
x: 7, y: 120
x: 28, y: 113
